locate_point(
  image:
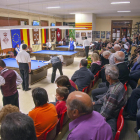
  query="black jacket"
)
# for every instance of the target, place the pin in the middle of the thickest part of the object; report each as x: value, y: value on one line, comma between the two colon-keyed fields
x: 95, y: 68
x: 82, y: 78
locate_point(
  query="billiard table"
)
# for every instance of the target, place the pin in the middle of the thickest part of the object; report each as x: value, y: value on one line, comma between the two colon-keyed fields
x: 78, y: 49
x: 68, y: 56
x: 38, y: 69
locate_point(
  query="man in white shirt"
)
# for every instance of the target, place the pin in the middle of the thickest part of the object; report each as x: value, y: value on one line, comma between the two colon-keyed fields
x: 61, y: 42
x: 86, y: 45
x: 48, y: 45
x: 22, y: 42
x: 24, y: 62
x: 9, y: 80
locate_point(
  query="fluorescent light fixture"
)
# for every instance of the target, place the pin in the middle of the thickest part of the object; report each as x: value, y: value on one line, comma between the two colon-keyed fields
x: 123, y: 11
x: 53, y: 7
x: 123, y: 2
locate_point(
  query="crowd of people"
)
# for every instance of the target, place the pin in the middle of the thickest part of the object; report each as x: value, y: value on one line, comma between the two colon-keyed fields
x: 93, y: 118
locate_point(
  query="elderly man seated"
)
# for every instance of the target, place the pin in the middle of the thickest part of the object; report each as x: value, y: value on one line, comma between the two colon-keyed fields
x: 87, y: 124
x: 110, y: 56
x: 117, y: 47
x: 114, y: 99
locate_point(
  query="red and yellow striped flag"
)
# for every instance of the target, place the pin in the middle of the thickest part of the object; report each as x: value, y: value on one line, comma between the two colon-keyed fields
x: 84, y: 25
x: 25, y: 36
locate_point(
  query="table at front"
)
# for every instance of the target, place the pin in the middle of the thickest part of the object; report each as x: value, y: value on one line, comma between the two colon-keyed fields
x: 78, y: 49
x: 38, y: 69
x: 68, y: 56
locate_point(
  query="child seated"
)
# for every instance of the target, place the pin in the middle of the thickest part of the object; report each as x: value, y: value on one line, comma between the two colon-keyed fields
x: 61, y: 95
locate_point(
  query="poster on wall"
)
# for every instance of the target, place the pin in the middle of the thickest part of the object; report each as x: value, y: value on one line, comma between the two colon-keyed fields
x: 97, y: 34
x: 83, y: 38
x: 107, y: 34
x: 102, y: 34
x: 93, y: 35
x: 83, y: 34
x: 77, y: 34
x: 89, y: 34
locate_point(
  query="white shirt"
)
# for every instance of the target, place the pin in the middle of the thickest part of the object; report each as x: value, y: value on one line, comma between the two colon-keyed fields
x: 86, y: 43
x: 20, y: 47
x: 18, y: 80
x: 61, y: 42
x: 23, y: 57
x: 48, y: 44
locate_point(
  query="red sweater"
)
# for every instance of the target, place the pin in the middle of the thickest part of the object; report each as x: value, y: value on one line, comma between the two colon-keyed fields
x: 60, y: 107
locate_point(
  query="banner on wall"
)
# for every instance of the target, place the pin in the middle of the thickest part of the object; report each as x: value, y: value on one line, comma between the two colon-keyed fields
x: 72, y: 33
x: 44, y: 35
x: 16, y: 39
x: 25, y: 36
x: 58, y: 35
x: 5, y: 37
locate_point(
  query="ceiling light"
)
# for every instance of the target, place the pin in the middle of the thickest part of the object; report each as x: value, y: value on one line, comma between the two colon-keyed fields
x: 53, y: 7
x: 124, y: 2
x: 123, y: 11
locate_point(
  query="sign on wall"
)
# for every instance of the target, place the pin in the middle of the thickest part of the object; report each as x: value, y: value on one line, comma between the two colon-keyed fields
x: 77, y: 34
x: 83, y: 34
x: 89, y: 34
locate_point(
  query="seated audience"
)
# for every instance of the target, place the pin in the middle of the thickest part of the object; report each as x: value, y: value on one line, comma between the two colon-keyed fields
x: 61, y: 42
x: 117, y: 47
x: 17, y: 126
x: 87, y: 124
x: 48, y: 45
x: 44, y: 114
x: 63, y: 81
x: 136, y: 64
x: 104, y: 61
x: 96, y: 63
x: 83, y: 76
x: 110, y: 56
x: 114, y: 99
x: 11, y: 54
x: 61, y: 95
x: 137, y: 129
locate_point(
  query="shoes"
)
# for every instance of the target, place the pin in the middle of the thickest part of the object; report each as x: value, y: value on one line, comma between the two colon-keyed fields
x: 27, y: 89
x: 128, y: 117
x: 135, y: 130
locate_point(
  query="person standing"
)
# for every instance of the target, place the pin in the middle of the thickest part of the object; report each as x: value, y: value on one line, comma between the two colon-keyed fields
x: 56, y: 64
x: 22, y: 42
x: 9, y: 80
x: 48, y: 45
x: 24, y: 62
x: 86, y: 45
x: 17, y: 49
x: 71, y: 45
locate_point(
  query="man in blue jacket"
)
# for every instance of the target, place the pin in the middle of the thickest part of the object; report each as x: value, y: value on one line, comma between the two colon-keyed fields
x: 71, y: 45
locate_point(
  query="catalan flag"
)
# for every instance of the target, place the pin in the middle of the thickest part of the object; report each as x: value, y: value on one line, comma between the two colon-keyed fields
x: 25, y: 36
x: 44, y: 35
x: 84, y: 25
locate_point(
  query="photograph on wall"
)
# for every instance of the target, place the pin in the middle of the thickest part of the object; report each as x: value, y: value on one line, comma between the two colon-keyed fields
x: 102, y: 34
x: 107, y: 34
x: 83, y: 37
x: 97, y: 34
x: 77, y: 34
x: 93, y: 35
x: 83, y: 34
x: 89, y: 34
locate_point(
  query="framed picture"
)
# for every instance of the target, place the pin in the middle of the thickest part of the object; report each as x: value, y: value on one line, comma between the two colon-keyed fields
x: 107, y: 34
x: 89, y: 34
x: 83, y: 34
x: 97, y: 34
x: 93, y: 35
x: 83, y: 38
x: 102, y: 34
x: 77, y: 34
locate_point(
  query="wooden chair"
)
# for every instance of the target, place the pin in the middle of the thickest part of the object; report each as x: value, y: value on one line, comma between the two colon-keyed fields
x: 50, y: 134
x: 120, y: 124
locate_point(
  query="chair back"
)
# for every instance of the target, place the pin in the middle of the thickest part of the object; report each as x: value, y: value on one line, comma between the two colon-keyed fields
x: 85, y: 89
x: 50, y: 134
x: 120, y: 124
x: 125, y: 86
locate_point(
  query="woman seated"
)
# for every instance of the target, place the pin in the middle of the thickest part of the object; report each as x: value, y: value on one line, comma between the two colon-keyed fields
x: 44, y: 114
x: 63, y: 81
x: 96, y: 63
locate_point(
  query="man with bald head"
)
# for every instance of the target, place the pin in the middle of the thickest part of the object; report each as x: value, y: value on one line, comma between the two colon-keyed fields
x: 87, y: 124
x: 123, y: 69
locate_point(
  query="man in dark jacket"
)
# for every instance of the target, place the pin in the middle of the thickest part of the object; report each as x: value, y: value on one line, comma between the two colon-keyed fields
x: 83, y: 76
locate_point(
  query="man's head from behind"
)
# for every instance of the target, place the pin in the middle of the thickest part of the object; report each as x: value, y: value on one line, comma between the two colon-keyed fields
x: 22, y: 42
x: 18, y: 126
x: 78, y: 104
x: 85, y: 37
x: 83, y: 63
x: 24, y: 47
x: 106, y: 54
x: 2, y: 65
x: 119, y: 56
x: 117, y: 47
x: 111, y: 72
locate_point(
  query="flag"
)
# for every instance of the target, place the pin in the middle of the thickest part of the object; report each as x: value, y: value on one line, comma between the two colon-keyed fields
x: 58, y: 34
x: 44, y: 35
x: 16, y: 39
x: 72, y: 33
x: 25, y: 36
x: 5, y: 37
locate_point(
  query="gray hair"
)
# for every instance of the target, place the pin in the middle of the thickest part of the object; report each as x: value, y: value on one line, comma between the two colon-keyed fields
x: 112, y: 71
x: 119, y: 58
x: 105, y: 53
x: 117, y: 46
x: 80, y: 106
